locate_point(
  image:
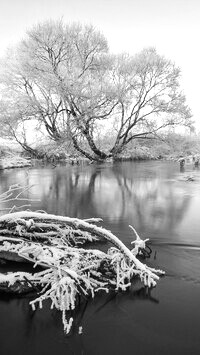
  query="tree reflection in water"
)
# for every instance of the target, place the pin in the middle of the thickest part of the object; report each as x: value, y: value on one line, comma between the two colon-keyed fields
x: 121, y: 194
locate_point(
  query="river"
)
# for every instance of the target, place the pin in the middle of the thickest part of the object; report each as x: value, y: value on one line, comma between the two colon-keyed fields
x: 157, y: 199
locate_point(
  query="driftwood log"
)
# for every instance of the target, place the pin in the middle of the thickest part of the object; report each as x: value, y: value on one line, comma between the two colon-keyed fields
x: 67, y: 270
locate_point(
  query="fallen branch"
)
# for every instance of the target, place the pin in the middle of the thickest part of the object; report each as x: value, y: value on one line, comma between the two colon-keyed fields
x: 52, y: 242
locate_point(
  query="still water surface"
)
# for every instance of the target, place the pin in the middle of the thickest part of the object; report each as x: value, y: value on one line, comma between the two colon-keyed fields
x: 156, y: 199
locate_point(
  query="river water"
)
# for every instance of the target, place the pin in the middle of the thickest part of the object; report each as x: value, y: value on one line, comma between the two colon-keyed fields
x: 157, y: 199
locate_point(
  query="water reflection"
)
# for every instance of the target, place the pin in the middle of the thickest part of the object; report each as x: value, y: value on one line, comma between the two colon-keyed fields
x: 122, y: 194
x: 154, y: 198
x: 112, y: 324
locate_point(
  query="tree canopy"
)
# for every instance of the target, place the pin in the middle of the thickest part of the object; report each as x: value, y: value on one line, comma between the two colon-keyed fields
x: 64, y: 77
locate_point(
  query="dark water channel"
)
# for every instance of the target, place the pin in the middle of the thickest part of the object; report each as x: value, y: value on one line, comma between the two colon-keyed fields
x: 156, y: 199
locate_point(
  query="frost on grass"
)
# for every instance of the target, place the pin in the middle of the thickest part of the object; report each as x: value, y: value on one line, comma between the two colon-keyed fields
x: 14, y: 161
x: 68, y: 270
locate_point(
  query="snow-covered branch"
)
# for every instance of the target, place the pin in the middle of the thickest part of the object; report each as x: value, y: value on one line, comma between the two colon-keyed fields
x: 67, y: 270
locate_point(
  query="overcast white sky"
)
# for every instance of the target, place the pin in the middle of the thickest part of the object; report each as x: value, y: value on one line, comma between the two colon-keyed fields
x: 172, y: 26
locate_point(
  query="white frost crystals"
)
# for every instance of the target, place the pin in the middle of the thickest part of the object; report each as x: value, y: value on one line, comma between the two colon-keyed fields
x: 68, y: 270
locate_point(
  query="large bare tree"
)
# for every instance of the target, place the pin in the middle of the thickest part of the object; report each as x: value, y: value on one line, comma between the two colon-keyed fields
x: 68, y: 81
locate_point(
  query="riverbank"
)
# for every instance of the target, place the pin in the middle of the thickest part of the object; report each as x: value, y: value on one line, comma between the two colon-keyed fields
x: 21, y: 162
x: 17, y: 159
x: 9, y: 162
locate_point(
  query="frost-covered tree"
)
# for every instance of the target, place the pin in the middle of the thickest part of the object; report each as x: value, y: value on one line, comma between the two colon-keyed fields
x: 149, y: 97
x: 74, y: 88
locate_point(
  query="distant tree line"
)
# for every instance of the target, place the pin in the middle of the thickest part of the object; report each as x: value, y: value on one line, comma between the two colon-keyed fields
x: 64, y: 78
